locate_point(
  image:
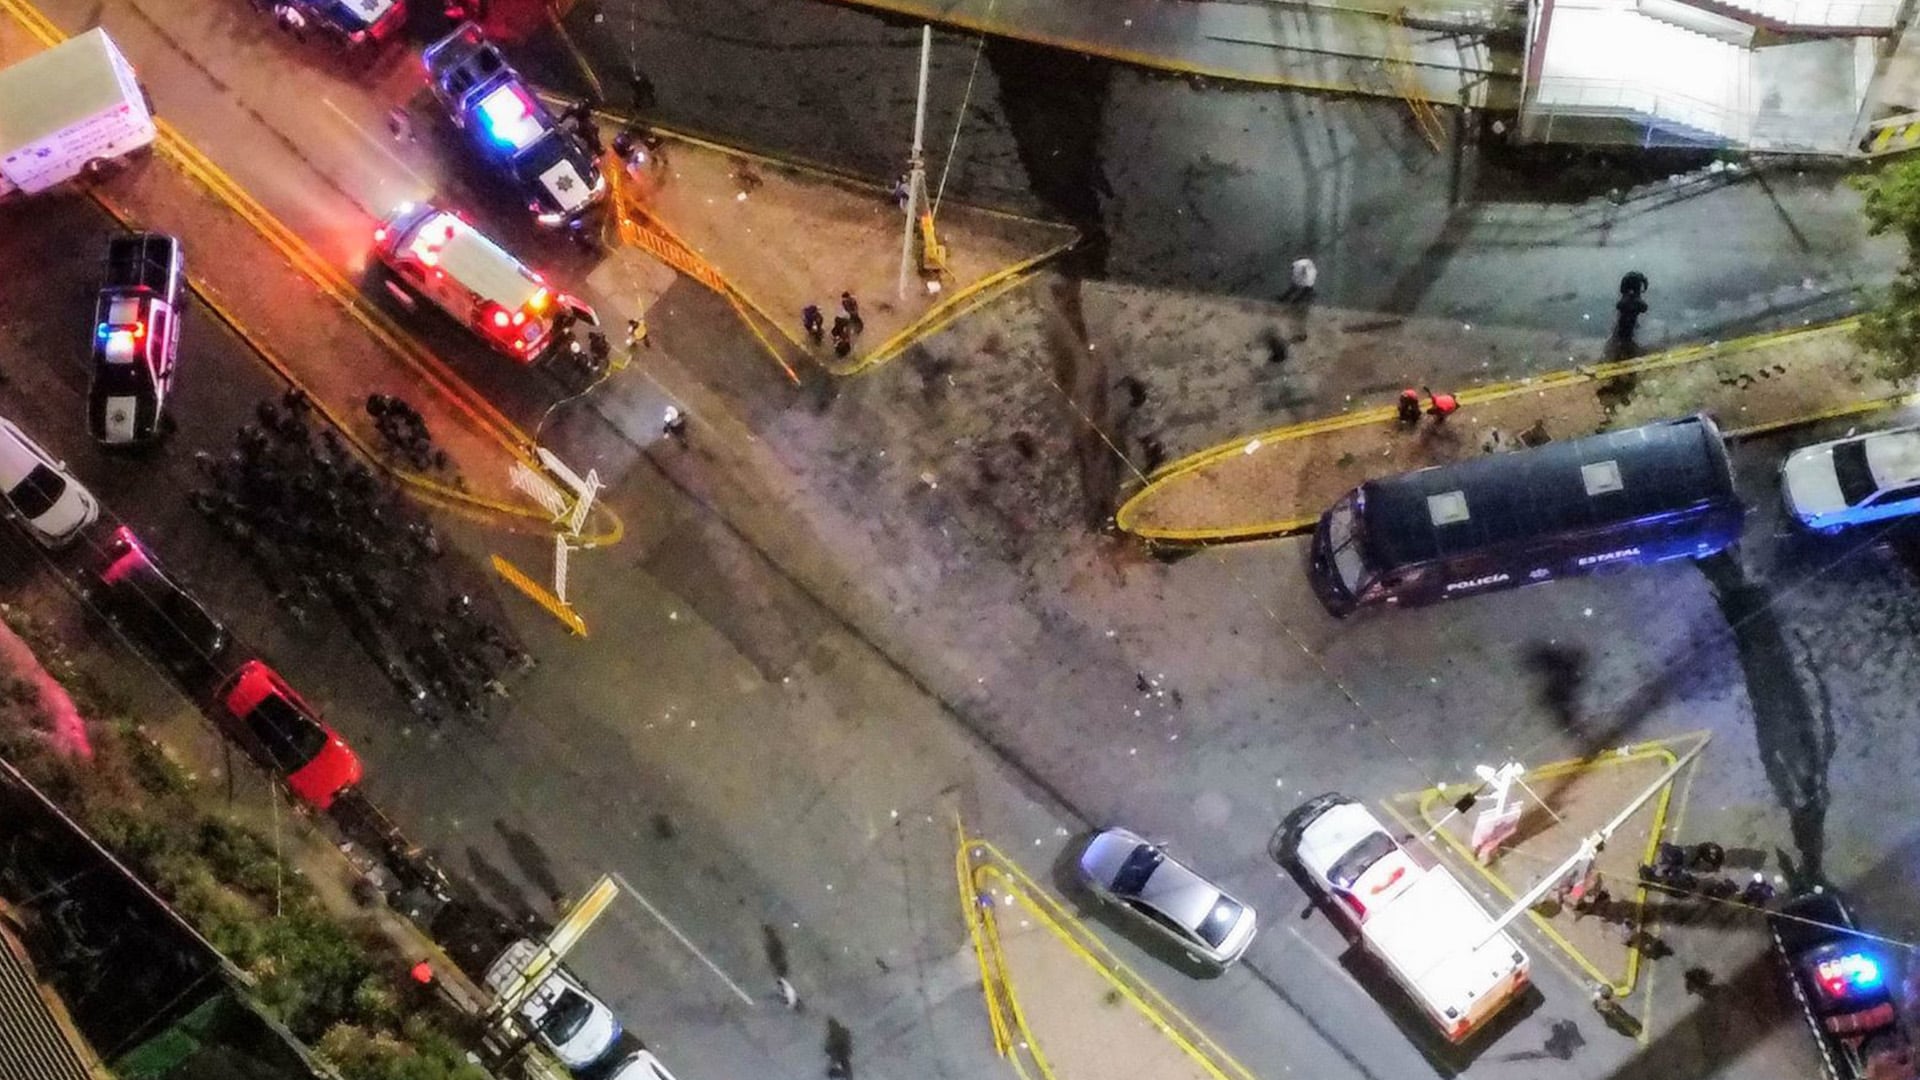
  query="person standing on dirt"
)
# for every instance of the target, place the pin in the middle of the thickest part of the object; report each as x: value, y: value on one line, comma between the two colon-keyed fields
x: 1409, y: 407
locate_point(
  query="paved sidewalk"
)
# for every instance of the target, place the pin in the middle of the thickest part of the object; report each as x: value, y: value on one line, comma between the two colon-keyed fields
x: 776, y: 237
x: 1278, y: 481
x: 1336, y: 47
x: 1565, y: 801
x: 1062, y: 1007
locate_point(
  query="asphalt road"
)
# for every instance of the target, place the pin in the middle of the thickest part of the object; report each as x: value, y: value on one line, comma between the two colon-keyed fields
x: 775, y: 784
x: 765, y: 784
x: 1186, y: 185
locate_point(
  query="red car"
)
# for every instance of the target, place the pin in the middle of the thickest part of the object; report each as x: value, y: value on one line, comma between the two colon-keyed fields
x: 284, y: 731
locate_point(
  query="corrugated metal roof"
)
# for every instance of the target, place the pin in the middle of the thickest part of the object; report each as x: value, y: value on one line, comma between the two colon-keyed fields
x: 33, y: 1042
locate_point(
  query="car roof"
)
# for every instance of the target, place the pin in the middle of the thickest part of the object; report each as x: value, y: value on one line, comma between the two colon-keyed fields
x: 1335, y: 831
x: 1180, y: 894
x: 473, y: 260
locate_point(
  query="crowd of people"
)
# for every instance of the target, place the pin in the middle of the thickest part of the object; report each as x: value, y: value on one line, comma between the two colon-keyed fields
x: 323, y: 529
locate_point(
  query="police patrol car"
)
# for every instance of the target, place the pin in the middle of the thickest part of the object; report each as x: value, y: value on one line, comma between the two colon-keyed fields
x: 136, y: 338
x: 439, y: 255
x: 552, y: 167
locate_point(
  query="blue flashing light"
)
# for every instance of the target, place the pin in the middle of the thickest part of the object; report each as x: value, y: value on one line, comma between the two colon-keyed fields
x: 1849, y: 973
x: 509, y: 115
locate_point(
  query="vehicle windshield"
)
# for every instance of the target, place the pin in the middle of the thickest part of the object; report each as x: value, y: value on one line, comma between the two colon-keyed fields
x: 1220, y: 921
x: 1343, y: 544
x: 567, y: 1016
x: 1850, y: 467
x: 36, y: 492
x: 292, y: 738
x: 1356, y: 861
x: 1137, y: 869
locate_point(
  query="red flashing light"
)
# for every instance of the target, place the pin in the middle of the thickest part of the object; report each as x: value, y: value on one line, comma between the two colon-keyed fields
x: 380, y: 235
x: 519, y: 318
x: 519, y: 346
x: 500, y: 319
x: 139, y: 330
x: 1398, y: 873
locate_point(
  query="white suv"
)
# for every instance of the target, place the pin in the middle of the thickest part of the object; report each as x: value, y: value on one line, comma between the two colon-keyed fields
x: 40, y: 491
x: 575, y: 1025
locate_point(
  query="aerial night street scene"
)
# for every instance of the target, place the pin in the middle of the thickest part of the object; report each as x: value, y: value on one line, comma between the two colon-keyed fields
x: 922, y: 539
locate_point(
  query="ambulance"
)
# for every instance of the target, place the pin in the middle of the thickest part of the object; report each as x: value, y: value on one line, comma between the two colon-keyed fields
x: 436, y: 254
x: 1444, y: 949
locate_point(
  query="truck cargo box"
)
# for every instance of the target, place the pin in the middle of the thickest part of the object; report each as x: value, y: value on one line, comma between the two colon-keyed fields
x: 65, y: 108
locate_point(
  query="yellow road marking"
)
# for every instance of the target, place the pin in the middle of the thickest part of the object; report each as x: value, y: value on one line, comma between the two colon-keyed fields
x: 171, y: 145
x: 962, y: 302
x: 1125, y: 517
x: 539, y: 594
x: 980, y: 867
x: 674, y: 250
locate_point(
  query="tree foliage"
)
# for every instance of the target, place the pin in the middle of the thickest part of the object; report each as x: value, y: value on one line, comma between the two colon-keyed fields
x: 337, y: 984
x: 1892, y: 329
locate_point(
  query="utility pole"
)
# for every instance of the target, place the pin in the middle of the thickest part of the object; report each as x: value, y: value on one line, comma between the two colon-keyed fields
x: 916, y: 165
x: 1589, y: 847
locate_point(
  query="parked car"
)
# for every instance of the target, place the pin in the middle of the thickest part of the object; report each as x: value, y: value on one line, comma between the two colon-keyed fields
x: 135, y: 594
x: 136, y: 338
x: 1140, y: 878
x: 575, y: 1025
x: 40, y: 491
x: 1852, y: 481
x: 1844, y: 983
x: 278, y: 727
x: 551, y: 166
x: 641, y: 1065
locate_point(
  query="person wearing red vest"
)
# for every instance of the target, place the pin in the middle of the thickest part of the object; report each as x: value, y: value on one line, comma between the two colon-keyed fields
x: 1440, y: 406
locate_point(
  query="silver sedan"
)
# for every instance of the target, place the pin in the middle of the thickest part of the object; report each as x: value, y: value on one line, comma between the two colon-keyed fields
x: 1139, y: 877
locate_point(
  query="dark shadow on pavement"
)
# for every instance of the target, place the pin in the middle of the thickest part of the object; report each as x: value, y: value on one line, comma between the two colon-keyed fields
x: 532, y: 860
x: 1794, y: 732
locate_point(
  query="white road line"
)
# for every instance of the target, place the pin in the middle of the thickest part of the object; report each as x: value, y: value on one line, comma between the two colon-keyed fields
x: 377, y: 143
x: 675, y: 931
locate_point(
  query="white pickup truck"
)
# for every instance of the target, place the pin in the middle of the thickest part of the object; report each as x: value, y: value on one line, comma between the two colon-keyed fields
x: 73, y: 107
x: 1439, y: 943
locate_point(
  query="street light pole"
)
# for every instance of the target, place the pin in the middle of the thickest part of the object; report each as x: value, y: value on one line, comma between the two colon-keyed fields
x: 916, y: 167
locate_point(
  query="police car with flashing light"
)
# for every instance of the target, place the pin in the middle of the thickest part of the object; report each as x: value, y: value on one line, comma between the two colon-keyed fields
x: 1844, y: 983
x: 136, y: 339
x: 553, y: 167
x: 438, y: 255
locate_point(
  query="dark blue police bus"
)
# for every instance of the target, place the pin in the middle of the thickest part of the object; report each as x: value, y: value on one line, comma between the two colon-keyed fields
x: 1662, y: 491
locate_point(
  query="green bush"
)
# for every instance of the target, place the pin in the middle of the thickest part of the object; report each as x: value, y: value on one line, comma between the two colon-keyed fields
x: 360, y: 1054
x: 339, y: 983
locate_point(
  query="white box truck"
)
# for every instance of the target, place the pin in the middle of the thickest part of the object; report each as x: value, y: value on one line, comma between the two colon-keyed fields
x: 1437, y: 941
x: 74, y: 106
